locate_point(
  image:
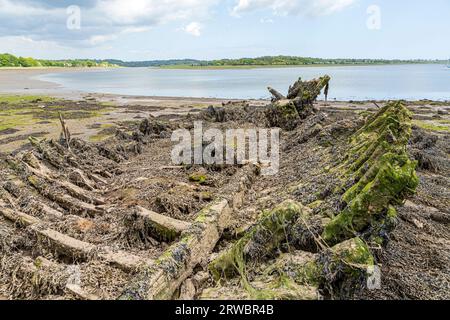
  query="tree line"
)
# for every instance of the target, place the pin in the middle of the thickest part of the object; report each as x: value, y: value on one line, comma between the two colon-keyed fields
x: 9, y: 60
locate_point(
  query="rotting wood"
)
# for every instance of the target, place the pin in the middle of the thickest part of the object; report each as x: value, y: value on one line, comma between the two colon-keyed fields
x: 64, y: 244
x: 47, y: 153
x: 161, y: 227
x: 81, y: 293
x: 42, y: 185
x: 123, y: 260
x: 37, y: 276
x: 260, y: 240
x: 65, y: 134
x: 72, y: 247
x: 163, y: 278
x: 79, y: 178
x: 49, y: 211
x: 187, y: 290
x: 65, y: 201
x: 276, y: 95
x: 40, y: 272
x: 34, y: 166
x: 17, y: 217
x: 77, y: 249
x: 171, y: 168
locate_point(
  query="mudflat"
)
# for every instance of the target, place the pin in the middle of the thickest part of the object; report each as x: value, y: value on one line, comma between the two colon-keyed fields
x: 106, y: 204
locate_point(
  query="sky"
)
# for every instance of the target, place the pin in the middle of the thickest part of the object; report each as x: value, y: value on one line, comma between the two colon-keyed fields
x: 135, y: 30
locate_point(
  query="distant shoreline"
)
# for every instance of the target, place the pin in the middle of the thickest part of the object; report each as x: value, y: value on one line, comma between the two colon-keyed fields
x: 240, y: 67
x: 224, y: 67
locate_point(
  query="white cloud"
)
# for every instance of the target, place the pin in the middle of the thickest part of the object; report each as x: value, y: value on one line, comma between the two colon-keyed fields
x: 98, y: 39
x: 28, y: 47
x: 193, y: 28
x: 292, y: 7
x: 266, y: 20
x: 22, y: 9
x: 128, y: 12
x: 101, y: 38
x: 101, y: 20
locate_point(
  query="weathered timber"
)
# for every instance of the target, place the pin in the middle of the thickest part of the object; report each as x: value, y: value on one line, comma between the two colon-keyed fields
x: 71, y: 247
x: 157, y: 225
x: 276, y: 95
x: 267, y: 234
x: 164, y: 277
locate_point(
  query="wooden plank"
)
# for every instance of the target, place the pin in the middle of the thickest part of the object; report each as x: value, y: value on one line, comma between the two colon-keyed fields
x: 123, y: 260
x: 81, y: 293
x: 66, y: 245
x: 16, y: 216
x: 162, y: 227
x: 72, y: 247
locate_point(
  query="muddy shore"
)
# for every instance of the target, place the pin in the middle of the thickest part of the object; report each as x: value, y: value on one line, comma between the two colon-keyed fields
x: 91, y: 205
x: 115, y: 109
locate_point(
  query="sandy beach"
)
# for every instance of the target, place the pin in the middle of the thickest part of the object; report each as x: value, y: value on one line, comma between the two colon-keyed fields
x: 21, y: 80
x: 24, y: 81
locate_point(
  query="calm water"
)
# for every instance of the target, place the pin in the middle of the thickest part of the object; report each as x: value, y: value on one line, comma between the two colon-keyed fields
x: 348, y: 83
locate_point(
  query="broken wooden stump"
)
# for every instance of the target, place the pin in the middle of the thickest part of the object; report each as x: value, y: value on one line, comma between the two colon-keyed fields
x: 275, y: 94
x: 286, y: 111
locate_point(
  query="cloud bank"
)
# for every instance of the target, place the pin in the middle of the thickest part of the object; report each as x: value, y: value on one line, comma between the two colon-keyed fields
x: 293, y: 7
x: 103, y: 21
x: 100, y: 20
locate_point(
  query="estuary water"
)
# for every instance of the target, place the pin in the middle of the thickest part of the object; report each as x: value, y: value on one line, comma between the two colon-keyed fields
x: 411, y: 82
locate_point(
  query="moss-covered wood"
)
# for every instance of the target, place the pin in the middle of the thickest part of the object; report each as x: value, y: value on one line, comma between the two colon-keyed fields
x: 379, y: 169
x: 260, y: 241
x: 287, y: 112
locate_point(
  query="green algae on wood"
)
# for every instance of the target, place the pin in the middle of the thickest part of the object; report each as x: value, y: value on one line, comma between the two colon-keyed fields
x: 344, y: 268
x: 260, y: 241
x: 199, y: 178
x: 287, y: 112
x: 381, y: 171
x: 350, y: 258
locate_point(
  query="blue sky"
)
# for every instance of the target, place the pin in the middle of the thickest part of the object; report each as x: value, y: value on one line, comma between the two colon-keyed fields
x: 211, y: 29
